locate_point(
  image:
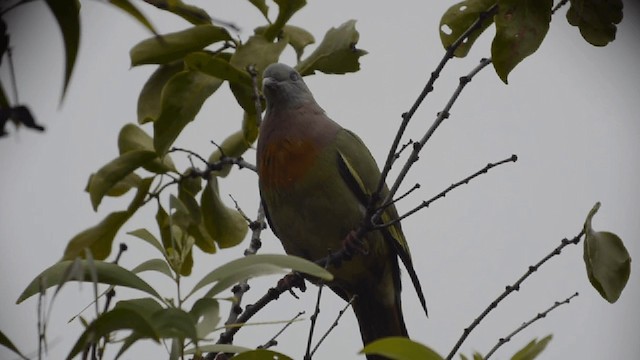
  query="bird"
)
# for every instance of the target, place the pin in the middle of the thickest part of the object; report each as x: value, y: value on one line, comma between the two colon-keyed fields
x: 315, y: 181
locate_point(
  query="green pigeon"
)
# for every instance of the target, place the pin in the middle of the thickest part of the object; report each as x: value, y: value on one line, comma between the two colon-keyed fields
x: 315, y: 180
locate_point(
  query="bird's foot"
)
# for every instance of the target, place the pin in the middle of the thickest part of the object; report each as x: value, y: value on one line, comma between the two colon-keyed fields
x: 353, y: 244
x: 291, y: 281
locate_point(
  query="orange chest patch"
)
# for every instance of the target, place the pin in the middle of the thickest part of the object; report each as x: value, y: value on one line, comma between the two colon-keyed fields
x: 286, y: 161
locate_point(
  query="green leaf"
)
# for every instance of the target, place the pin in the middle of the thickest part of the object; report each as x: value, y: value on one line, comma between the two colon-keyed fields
x: 262, y: 7
x: 596, y: 19
x: 129, y: 8
x: 174, y: 46
x: 4, y: 341
x: 217, y: 348
x: 145, y: 235
x: 113, y: 172
x: 521, y: 25
x: 336, y: 54
x: 98, y: 239
x: 192, y: 14
x: 174, y: 323
x: 400, y: 348
x: 607, y: 260
x: 250, y: 128
x: 532, y: 349
x: 157, y: 265
x: 261, y: 355
x: 225, y: 225
x: 233, y: 146
x: 286, y: 10
x: 182, y: 99
x: 254, y: 263
x: 298, y: 38
x: 106, y: 272
x: 121, y: 187
x: 206, y: 314
x: 176, y: 243
x: 67, y: 14
x: 145, y: 307
x: 458, y: 18
x: 217, y: 66
x: 114, y: 320
x: 257, y: 51
x: 133, y: 138
x: 150, y: 99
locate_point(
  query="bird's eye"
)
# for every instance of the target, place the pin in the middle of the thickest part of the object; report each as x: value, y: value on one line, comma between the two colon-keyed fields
x: 294, y: 76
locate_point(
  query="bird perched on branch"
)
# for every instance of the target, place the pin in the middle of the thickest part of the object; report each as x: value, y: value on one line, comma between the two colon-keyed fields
x: 316, y: 179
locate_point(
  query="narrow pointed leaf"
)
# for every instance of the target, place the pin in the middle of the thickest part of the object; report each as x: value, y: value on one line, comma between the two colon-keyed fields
x: 157, y: 265
x: 182, y: 99
x: 521, y: 25
x: 129, y: 8
x: 67, y: 14
x: 150, y: 99
x: 336, y: 54
x: 192, y: 14
x: 607, y: 260
x: 458, y: 18
x: 4, y: 341
x: 400, y: 348
x: 145, y: 235
x: 106, y: 272
x: 174, y: 46
x: 532, y: 349
x: 133, y: 138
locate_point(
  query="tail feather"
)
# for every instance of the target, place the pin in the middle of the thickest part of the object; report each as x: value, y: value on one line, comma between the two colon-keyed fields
x: 378, y: 320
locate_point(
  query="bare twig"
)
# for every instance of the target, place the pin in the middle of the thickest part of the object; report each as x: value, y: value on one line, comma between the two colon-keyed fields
x: 314, y: 319
x: 510, y: 289
x: 558, y: 6
x: 333, y: 326
x: 273, y: 341
x: 539, y: 316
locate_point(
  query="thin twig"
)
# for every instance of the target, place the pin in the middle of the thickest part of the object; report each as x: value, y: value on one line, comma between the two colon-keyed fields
x: 314, y: 319
x: 425, y: 204
x: 539, y: 316
x: 334, y: 325
x: 14, y: 83
x: 273, y: 341
x: 510, y: 289
x: 558, y: 6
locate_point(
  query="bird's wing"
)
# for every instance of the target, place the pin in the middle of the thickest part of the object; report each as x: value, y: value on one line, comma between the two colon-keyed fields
x: 361, y: 173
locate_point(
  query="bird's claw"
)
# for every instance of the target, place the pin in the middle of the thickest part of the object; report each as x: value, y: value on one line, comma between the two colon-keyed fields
x: 291, y: 281
x: 353, y: 244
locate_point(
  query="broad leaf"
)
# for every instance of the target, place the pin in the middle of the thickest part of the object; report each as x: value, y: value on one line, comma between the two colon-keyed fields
x: 106, y: 273
x: 145, y: 307
x: 521, y: 25
x: 280, y: 261
x: 182, y: 99
x: 607, y: 260
x: 217, y: 66
x: 532, y: 349
x: 129, y: 8
x: 261, y: 355
x: 298, y: 38
x: 225, y: 225
x: 133, y: 138
x: 67, y: 14
x: 400, y: 348
x: 336, y: 54
x: 206, y: 314
x: 170, y: 47
x: 458, y: 18
x: 174, y: 323
x: 596, y: 19
x: 286, y: 10
x: 150, y: 99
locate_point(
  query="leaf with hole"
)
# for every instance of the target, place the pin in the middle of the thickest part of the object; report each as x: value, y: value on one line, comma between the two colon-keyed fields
x: 460, y: 17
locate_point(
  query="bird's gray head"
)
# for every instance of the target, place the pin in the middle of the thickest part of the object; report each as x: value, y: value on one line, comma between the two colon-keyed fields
x: 283, y: 87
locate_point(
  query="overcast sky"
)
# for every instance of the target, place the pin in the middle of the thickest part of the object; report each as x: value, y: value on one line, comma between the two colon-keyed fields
x: 570, y: 113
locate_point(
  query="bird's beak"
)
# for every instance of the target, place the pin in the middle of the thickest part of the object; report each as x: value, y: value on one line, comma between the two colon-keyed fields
x: 269, y: 82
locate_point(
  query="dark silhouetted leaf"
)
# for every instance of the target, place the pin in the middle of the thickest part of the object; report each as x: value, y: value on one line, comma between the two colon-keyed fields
x: 4, y: 341
x: 192, y: 14
x: 22, y: 115
x: 171, y: 47
x: 458, y: 18
x: 129, y: 8
x: 400, y: 348
x: 67, y: 14
x: 336, y: 54
x: 596, y: 19
x: 607, y: 260
x: 261, y: 355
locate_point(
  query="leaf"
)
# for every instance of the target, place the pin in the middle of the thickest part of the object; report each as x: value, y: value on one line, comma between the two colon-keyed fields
x: 145, y: 307
x: 182, y: 99
x: 298, y: 38
x: 123, y: 186
x: 458, y: 18
x: 400, y: 348
x: 257, y: 51
x: 286, y: 10
x: 157, y: 265
x: 110, y: 174
x: 254, y: 261
x: 596, y: 19
x: 106, y: 323
x: 192, y: 14
x: 133, y: 138
x: 106, y: 272
x: 532, y: 349
x: 217, y: 66
x: 206, y: 314
x: 145, y: 235
x: 98, y: 239
x: 262, y: 7
x: 4, y: 341
x: 174, y: 46
x: 217, y: 348
x: 150, y: 99
x: 129, y: 8
x: 67, y: 14
x: 261, y: 355
x: 521, y: 25
x: 233, y: 146
x: 225, y: 225
x: 177, y: 248
x: 607, y: 260
x: 174, y: 323
x: 336, y: 54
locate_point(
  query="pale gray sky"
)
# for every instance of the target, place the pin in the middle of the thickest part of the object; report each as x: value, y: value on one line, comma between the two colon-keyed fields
x: 570, y: 113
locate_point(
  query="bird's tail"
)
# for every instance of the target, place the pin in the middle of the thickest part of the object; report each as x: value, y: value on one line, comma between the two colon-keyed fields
x: 378, y: 320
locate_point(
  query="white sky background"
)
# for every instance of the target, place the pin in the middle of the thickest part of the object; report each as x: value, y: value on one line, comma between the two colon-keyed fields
x: 570, y: 113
